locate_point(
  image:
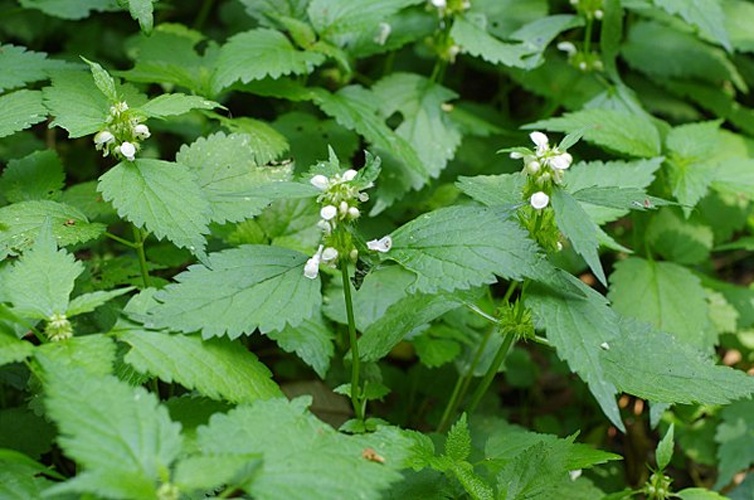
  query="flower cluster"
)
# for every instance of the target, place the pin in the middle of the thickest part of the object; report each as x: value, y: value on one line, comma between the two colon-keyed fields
x: 591, y: 9
x: 58, y: 327
x: 122, y: 134
x: 544, y: 166
x: 585, y: 61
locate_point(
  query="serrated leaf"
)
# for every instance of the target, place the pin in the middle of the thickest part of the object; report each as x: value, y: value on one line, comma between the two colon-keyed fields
x: 77, y: 104
x: 706, y: 15
x: 21, y: 66
x: 665, y: 447
x: 175, y: 104
x: 37, y: 176
x: 251, y: 285
x: 692, y: 168
x: 535, y: 473
x: 674, y: 54
x: 735, y: 437
x: 402, y: 318
x: 120, y: 434
x: 577, y: 327
x: 88, y: 302
x: 458, y: 444
x: 21, y: 109
x: 259, y: 53
x: 162, y: 197
x: 312, y: 341
x: 576, y: 225
x: 265, y: 141
x: 218, y: 368
x: 655, y: 366
x: 20, y: 224
x: 231, y: 179
x: 426, y: 126
x: 736, y: 14
x: 664, y: 294
x: 94, y: 353
x: 493, y: 190
x: 334, y: 18
x: 628, y: 133
x: 462, y: 247
x: 142, y: 11
x: 213, y: 471
x: 470, y: 34
x: 699, y: 494
x: 40, y: 282
x: 679, y: 240
x: 12, y: 349
x: 309, y: 136
x: 20, y: 476
x: 102, y: 79
x: 70, y: 9
x: 303, y: 457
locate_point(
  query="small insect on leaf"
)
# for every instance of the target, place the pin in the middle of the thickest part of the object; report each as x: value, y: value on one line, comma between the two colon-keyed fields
x: 69, y: 223
x: 372, y: 456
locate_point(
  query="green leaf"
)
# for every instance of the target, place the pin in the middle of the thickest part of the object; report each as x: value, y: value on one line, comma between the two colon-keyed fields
x: 302, y: 456
x: 655, y: 366
x: 735, y: 437
x: 175, y: 104
x: 162, y: 197
x: 142, y: 11
x: 665, y: 447
x: 25, y: 431
x: 22, y: 66
x: 611, y: 36
x: 458, y: 444
x: 12, y: 349
x: 88, y: 302
x: 259, y: 53
x: 251, y: 286
x: 677, y: 55
x: 20, y: 476
x: 312, y: 341
x: 462, y: 247
x: 692, y: 168
x: 41, y: 281
x: 20, y: 224
x: 217, y: 368
x: 102, y: 79
x: 120, y: 434
x: 267, y: 143
x: 535, y: 473
x: 494, y: 190
x: 679, y: 240
x: 334, y: 18
x: 94, y: 353
x: 230, y: 177
x: 78, y: 105
x: 38, y: 176
x: 664, y: 294
x: 21, y: 109
x: 426, y: 126
x: 628, y: 133
x: 576, y: 225
x: 70, y: 9
x: 736, y: 14
x: 470, y: 34
x: 577, y: 327
x: 213, y: 471
x: 699, y: 494
x: 472, y: 482
x: 310, y: 135
x: 706, y: 15
x: 403, y: 317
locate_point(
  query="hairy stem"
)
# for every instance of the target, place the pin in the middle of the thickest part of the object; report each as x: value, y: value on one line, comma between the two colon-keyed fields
x: 139, y: 246
x: 500, y: 356
x: 356, y: 398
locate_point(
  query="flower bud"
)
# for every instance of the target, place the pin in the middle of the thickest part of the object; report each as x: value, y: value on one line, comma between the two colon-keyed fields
x: 319, y: 181
x: 349, y: 175
x: 353, y: 212
x: 329, y: 255
x: 533, y: 167
x: 328, y: 212
x: 539, y: 200
x: 311, y: 268
x: 343, y: 208
x: 128, y: 150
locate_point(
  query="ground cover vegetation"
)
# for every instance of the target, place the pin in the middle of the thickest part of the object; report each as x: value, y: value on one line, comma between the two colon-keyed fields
x: 376, y: 249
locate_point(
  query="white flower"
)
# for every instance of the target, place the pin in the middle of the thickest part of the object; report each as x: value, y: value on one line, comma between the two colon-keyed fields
x: 515, y: 155
x: 533, y: 167
x: 353, y: 212
x: 343, y: 208
x: 128, y: 150
x: 539, y: 200
x: 103, y: 138
x: 561, y: 161
x: 325, y: 226
x: 319, y: 181
x: 541, y: 141
x: 382, y: 245
x: 118, y: 108
x: 567, y: 47
x: 440, y: 4
x: 574, y: 474
x: 311, y: 268
x: 582, y: 66
x: 383, y: 33
x: 349, y: 175
x: 598, y: 14
x: 328, y: 212
x: 141, y: 131
x: 329, y: 255
x: 605, y: 346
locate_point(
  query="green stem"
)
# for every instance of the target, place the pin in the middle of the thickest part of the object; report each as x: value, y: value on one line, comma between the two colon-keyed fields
x: 356, y: 399
x: 120, y: 240
x: 201, y: 17
x: 588, y: 35
x: 139, y: 246
x: 500, y: 356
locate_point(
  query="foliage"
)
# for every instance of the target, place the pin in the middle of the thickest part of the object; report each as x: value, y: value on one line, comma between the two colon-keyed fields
x: 326, y: 249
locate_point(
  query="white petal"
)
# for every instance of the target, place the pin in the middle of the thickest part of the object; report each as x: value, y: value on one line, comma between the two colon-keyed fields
x: 353, y: 212
x: 567, y: 47
x: 440, y: 4
x: 142, y: 131
x: 328, y: 212
x: 311, y: 268
x: 319, y: 181
x: 349, y: 175
x: 515, y: 155
x: 382, y: 245
x: 539, y: 200
x: 533, y: 167
x: 605, y: 346
x: 343, y: 208
x: 562, y: 161
x: 128, y: 150
x: 329, y: 254
x: 103, y: 137
x: 574, y: 474
x: 540, y: 140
